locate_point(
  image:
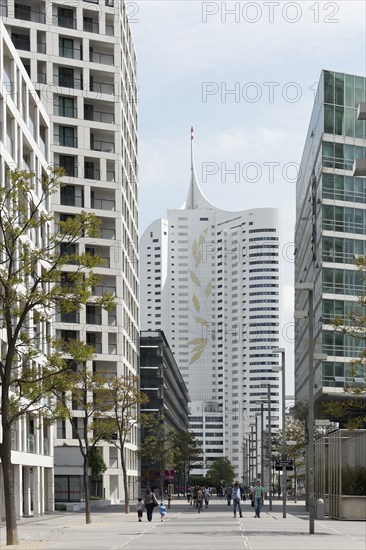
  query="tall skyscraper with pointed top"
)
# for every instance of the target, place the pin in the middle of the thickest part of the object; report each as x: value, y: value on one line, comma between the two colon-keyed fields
x: 211, y: 280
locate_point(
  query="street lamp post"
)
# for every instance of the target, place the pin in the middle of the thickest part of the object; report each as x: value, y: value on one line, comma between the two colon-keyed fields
x: 284, y: 447
x: 309, y: 287
x: 269, y: 447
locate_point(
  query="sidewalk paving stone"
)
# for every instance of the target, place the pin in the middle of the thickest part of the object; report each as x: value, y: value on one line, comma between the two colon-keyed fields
x: 185, y: 529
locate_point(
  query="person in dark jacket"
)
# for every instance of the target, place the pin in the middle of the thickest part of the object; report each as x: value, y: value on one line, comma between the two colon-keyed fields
x: 150, y: 502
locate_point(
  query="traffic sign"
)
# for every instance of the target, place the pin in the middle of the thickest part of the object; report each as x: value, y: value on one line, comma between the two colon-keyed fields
x: 289, y: 464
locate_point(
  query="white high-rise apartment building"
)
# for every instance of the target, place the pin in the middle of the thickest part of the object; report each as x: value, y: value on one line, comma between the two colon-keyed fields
x: 24, y: 128
x: 80, y: 55
x: 211, y: 280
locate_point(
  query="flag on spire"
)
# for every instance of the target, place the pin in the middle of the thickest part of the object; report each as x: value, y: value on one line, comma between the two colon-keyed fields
x: 192, y: 132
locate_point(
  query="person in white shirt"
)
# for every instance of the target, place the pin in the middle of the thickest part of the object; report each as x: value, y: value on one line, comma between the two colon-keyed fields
x: 207, y: 495
x: 236, y: 496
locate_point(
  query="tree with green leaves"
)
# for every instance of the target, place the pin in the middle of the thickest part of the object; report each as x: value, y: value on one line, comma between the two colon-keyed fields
x: 82, y: 390
x: 157, y: 446
x: 34, y: 284
x: 186, y: 454
x: 119, y: 426
x: 221, y: 470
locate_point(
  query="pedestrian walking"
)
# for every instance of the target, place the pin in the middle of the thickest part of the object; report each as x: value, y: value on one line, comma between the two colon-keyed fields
x: 228, y: 491
x: 207, y: 495
x: 162, y: 510
x: 140, y: 508
x: 258, y: 495
x: 236, y: 496
x: 150, y: 502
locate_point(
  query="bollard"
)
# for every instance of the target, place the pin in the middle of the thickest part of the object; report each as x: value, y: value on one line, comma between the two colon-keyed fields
x: 320, y: 509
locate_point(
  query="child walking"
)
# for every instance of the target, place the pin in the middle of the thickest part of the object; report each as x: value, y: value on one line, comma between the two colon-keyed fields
x: 162, y: 510
x: 140, y: 508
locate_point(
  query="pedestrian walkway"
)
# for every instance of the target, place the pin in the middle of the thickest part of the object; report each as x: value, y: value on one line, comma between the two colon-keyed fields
x: 185, y: 529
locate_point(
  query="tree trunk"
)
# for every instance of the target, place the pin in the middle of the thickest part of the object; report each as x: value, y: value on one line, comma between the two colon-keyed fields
x: 86, y: 491
x: 8, y: 472
x: 125, y: 482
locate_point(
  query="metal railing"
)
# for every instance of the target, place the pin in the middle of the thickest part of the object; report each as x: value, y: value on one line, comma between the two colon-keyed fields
x: 41, y: 77
x: 64, y: 110
x: 65, y: 141
x: 14, y: 440
x: 20, y: 42
x: 103, y: 58
x: 70, y: 53
x: 104, y: 146
x: 99, y: 116
x: 31, y: 444
x: 107, y: 233
x: 103, y: 204
x: 41, y: 47
x: 68, y: 82
x: 64, y: 21
x: 90, y: 26
x: 109, y: 30
x: 343, y: 226
x: 111, y: 175
x: 94, y: 318
x: 20, y: 12
x: 100, y: 290
x: 101, y: 87
x: 92, y: 173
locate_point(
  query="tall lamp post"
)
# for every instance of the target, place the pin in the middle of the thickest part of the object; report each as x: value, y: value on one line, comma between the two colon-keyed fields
x: 269, y: 447
x: 309, y: 287
x: 284, y: 446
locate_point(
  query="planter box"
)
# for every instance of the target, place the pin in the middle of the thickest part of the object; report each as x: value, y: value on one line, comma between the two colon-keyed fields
x: 350, y: 508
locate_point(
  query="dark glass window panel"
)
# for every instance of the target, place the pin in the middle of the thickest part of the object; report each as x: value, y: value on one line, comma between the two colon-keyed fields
x: 339, y: 89
x: 329, y: 119
x: 328, y: 87
x: 339, y: 121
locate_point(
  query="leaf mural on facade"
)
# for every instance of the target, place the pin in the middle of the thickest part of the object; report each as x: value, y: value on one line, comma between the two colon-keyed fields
x: 199, y: 344
x: 194, y: 278
x: 201, y: 321
x: 198, y: 258
x: 195, y: 357
x: 208, y: 290
x: 196, y: 303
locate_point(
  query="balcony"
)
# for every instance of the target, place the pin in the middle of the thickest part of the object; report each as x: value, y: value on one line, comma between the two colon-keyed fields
x: 68, y: 82
x: 103, y: 58
x: 71, y: 317
x: 3, y: 11
x: 70, y: 52
x: 91, y: 26
x: 361, y: 111
x: 101, y: 87
x: 94, y: 318
x: 21, y: 42
x: 14, y: 440
x: 41, y: 77
x: 65, y: 110
x: 91, y: 172
x: 359, y: 168
x: 41, y: 47
x: 64, y: 21
x: 31, y: 444
x: 65, y: 141
x: 103, y: 146
x: 107, y: 233
x: 109, y: 30
x: 101, y: 290
x: 103, y: 204
x: 98, y: 116
x: 25, y: 13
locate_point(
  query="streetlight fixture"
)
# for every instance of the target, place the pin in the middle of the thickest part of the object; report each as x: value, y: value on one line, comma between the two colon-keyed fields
x: 284, y: 448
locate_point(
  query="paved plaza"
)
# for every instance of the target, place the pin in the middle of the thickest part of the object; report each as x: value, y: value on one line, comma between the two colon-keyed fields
x: 185, y: 529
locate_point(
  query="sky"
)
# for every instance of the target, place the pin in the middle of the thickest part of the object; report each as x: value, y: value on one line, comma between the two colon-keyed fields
x: 244, y: 75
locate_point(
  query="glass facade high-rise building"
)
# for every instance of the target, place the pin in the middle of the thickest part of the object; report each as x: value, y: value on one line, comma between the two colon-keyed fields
x: 331, y: 234
x: 80, y: 57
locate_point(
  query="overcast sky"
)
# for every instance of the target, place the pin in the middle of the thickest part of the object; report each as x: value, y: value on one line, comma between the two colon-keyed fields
x: 248, y: 143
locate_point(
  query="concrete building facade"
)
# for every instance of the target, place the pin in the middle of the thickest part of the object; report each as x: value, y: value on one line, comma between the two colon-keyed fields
x: 80, y: 55
x: 330, y: 235
x: 211, y: 280
x: 24, y: 145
